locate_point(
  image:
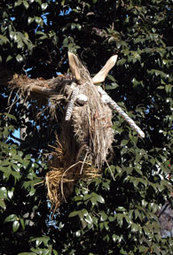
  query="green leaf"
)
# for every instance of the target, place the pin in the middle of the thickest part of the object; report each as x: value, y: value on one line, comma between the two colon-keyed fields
x: 3, y: 193
x: 38, y: 20
x: 100, y: 199
x: 169, y: 88
x: 19, y: 58
x: 17, y: 3
x: 113, y: 85
x: 88, y: 219
x: 25, y: 3
x: 30, y: 20
x: 10, y: 218
x: 9, y: 58
x: 15, y: 225
x: 73, y: 214
x: 38, y: 242
x: 55, y: 252
x: 44, y: 6
x: 123, y: 252
x: 106, y: 183
x: 121, y: 62
x: 115, y: 238
x: 143, y: 249
x: 10, y: 116
x: 2, y: 204
x: 22, y: 222
x: 103, y: 216
x: 124, y: 142
x: 3, y: 39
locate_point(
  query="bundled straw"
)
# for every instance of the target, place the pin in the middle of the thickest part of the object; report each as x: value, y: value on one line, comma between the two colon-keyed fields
x: 60, y: 180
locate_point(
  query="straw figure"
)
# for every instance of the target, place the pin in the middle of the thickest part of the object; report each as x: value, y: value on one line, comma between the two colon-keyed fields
x: 86, y: 136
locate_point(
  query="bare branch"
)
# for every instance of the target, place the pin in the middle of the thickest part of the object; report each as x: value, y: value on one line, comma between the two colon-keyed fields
x: 101, y: 75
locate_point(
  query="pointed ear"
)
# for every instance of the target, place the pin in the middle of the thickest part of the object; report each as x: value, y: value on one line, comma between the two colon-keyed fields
x: 74, y: 65
x: 101, y: 75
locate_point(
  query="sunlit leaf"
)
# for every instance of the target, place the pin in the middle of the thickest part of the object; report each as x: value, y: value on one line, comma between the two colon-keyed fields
x: 15, y: 225
x: 10, y: 218
x: 19, y: 58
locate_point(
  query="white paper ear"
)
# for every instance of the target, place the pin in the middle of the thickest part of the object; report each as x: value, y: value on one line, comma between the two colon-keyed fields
x: 74, y: 65
x: 101, y: 75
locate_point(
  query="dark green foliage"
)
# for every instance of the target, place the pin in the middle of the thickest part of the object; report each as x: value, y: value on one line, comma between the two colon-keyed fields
x: 117, y: 213
x: 19, y: 201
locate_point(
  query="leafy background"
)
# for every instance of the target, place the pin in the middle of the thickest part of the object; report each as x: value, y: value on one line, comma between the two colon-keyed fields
x: 116, y: 213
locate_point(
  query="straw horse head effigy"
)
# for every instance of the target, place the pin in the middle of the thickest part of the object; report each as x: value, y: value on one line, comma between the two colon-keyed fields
x: 86, y: 136
x: 87, y: 133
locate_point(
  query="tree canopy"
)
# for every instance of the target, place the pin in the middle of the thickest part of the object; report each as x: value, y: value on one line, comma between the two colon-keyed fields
x: 116, y: 213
